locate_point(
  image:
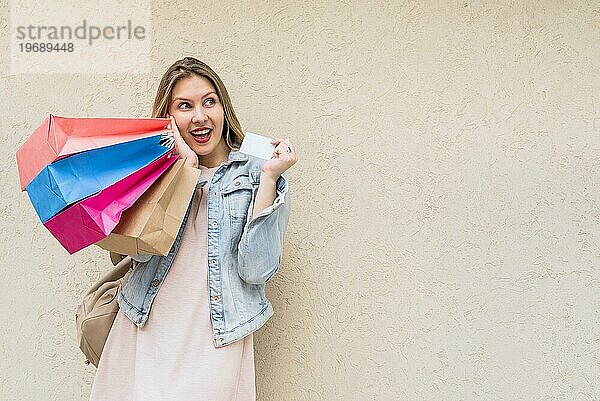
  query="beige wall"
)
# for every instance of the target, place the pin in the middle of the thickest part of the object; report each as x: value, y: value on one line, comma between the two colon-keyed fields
x: 443, y: 243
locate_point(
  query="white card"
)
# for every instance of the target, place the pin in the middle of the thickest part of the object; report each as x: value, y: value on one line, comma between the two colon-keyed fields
x: 257, y: 145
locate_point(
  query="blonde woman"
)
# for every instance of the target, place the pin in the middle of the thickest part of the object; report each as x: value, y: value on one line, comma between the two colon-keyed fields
x: 185, y: 324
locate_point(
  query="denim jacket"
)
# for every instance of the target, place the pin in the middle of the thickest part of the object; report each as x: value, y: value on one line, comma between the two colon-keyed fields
x: 243, y: 253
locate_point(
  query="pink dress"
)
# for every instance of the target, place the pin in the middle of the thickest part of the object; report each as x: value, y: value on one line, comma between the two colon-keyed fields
x: 173, y: 357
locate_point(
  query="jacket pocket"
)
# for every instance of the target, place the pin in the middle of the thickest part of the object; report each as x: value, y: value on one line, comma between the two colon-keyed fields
x: 237, y: 197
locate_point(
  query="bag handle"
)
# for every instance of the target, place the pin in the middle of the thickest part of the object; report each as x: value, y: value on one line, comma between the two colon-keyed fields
x: 114, y: 274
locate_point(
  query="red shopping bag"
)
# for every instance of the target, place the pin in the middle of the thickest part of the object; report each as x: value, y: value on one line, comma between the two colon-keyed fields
x: 58, y: 137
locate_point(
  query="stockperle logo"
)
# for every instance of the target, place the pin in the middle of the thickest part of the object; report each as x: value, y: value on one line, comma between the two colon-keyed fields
x: 109, y: 37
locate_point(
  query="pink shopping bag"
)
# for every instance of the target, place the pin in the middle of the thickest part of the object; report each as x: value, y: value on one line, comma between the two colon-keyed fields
x: 92, y: 219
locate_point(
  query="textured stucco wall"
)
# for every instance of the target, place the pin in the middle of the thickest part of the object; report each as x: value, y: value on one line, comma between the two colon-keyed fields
x: 443, y: 243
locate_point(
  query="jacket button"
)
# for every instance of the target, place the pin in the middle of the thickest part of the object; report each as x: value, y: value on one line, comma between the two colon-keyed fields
x: 216, y: 297
x: 155, y: 282
x: 213, y: 261
x: 220, y: 340
x: 215, y: 224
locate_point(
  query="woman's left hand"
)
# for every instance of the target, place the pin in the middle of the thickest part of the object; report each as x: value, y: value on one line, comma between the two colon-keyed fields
x: 283, y: 158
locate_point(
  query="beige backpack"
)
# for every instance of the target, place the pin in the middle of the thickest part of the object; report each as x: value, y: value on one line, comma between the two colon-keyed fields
x: 96, y: 314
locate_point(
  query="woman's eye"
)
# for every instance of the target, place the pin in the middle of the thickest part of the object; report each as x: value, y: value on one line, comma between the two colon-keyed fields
x: 210, y: 101
x: 184, y: 105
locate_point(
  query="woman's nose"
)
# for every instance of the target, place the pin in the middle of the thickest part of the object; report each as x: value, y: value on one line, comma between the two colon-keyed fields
x: 199, y: 116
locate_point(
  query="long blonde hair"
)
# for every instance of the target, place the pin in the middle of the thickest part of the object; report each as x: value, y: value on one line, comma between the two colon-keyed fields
x: 187, y: 67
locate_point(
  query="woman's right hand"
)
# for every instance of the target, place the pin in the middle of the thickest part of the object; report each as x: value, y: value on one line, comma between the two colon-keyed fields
x: 182, y: 148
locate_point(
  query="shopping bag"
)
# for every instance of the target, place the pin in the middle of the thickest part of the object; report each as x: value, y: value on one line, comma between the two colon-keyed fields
x: 73, y: 178
x: 151, y: 225
x: 58, y: 137
x: 93, y: 218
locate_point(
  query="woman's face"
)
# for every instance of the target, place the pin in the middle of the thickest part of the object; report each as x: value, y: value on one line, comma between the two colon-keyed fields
x: 199, y: 115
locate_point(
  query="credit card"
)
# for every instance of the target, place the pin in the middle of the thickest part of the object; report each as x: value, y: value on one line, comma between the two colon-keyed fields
x: 257, y: 145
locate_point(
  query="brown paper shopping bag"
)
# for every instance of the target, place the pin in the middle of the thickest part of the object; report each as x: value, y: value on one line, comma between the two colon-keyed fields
x: 151, y: 225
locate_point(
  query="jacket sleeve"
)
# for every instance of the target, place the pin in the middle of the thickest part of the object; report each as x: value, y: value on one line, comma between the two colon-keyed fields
x: 261, y: 246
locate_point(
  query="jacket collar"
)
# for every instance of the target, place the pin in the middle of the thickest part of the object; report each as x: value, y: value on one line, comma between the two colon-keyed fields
x: 236, y: 156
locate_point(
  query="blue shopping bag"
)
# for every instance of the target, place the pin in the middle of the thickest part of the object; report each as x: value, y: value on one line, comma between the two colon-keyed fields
x: 76, y: 177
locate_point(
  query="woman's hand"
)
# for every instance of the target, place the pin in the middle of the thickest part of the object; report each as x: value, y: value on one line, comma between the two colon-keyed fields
x: 283, y: 158
x: 182, y: 148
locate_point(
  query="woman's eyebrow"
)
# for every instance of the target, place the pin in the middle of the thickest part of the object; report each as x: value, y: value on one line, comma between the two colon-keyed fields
x: 182, y: 98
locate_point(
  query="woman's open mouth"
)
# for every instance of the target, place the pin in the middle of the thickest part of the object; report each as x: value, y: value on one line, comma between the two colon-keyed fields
x: 202, y: 135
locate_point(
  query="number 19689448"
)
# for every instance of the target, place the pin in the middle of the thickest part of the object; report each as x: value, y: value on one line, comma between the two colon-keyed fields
x: 46, y: 47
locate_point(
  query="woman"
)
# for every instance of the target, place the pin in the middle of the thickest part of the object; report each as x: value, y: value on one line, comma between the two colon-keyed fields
x: 207, y: 296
